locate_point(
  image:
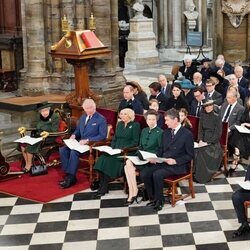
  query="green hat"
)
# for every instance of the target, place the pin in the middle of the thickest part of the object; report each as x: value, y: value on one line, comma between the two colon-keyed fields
x: 43, y: 105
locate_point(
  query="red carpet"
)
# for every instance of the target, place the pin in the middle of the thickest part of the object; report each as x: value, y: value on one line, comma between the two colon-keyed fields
x: 42, y: 188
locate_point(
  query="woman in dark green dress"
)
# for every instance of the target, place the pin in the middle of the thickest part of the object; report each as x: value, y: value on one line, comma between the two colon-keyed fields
x: 150, y: 141
x: 47, y: 121
x: 127, y: 135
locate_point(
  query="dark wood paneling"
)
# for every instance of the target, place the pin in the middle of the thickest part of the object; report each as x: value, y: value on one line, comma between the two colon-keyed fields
x: 10, y: 17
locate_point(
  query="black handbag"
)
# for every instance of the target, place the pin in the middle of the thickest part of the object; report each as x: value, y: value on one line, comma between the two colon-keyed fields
x: 38, y: 170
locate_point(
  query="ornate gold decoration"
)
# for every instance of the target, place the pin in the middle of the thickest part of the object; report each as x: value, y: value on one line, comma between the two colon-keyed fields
x: 92, y: 23
x: 65, y: 24
x: 68, y: 42
x: 236, y: 10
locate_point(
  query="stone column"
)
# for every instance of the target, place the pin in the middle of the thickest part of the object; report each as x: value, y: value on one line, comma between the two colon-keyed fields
x: 177, y: 23
x: 36, y: 77
x: 80, y: 23
x: 165, y: 20
x: 68, y: 9
x: 160, y: 8
x: 202, y: 19
x: 114, y: 34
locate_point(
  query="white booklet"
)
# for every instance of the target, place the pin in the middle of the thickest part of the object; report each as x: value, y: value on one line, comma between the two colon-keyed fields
x: 108, y: 150
x: 200, y: 144
x: 244, y: 184
x: 242, y: 129
x: 29, y: 140
x: 147, y: 155
x: 136, y: 161
x: 75, y: 145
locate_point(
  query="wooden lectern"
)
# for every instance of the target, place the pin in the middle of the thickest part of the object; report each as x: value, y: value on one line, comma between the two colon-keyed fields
x: 79, y: 48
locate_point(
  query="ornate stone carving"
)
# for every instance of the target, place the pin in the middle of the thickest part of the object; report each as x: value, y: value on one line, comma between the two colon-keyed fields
x: 236, y: 10
x: 191, y: 14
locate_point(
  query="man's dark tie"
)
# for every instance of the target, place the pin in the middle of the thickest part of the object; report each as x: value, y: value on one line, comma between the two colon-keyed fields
x: 172, y: 134
x: 198, y: 109
x: 227, y: 114
x: 87, y: 121
x: 209, y: 96
x: 163, y: 90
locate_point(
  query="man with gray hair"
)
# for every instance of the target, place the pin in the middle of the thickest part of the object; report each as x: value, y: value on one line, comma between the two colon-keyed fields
x: 188, y: 69
x: 92, y: 126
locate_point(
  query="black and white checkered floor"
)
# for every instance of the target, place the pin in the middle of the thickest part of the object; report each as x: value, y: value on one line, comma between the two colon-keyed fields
x: 81, y: 222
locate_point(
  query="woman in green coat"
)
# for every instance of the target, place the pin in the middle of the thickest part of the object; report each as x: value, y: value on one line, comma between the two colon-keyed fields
x: 150, y: 141
x: 47, y: 121
x: 127, y: 135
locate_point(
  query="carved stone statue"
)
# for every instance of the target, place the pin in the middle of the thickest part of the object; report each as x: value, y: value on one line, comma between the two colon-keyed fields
x: 191, y: 14
x: 236, y: 10
x: 138, y: 7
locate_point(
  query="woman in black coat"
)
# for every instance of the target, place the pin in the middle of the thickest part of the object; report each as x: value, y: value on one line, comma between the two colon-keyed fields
x: 177, y: 101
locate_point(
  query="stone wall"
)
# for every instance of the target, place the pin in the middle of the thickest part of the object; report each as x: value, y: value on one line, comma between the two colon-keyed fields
x: 42, y: 28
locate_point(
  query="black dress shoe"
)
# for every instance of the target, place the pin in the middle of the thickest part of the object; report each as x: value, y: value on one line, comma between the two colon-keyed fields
x: 244, y: 228
x: 98, y: 195
x: 68, y: 183
x: 151, y: 204
x: 158, y: 205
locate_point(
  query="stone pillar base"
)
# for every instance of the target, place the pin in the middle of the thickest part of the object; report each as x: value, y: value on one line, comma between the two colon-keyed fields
x: 141, y: 44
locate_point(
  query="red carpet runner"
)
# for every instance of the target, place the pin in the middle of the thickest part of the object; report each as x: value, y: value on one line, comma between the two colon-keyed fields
x: 43, y: 188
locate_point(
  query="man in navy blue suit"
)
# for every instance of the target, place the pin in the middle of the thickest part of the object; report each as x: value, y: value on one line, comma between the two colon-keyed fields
x: 178, y: 149
x: 92, y: 126
x: 239, y: 197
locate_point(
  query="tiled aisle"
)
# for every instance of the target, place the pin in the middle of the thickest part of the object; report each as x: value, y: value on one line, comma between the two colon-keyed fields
x: 81, y: 222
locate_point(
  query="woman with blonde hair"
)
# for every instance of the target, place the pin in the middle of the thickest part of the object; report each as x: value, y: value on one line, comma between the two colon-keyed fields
x: 127, y: 135
x: 150, y: 141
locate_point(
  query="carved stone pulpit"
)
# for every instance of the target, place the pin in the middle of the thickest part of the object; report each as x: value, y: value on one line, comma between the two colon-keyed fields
x: 79, y: 48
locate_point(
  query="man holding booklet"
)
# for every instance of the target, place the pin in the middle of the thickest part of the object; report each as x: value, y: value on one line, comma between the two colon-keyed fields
x: 92, y: 126
x: 177, y: 148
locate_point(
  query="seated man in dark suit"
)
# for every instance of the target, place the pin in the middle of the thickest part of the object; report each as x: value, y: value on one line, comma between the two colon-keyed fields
x: 231, y: 111
x: 166, y: 87
x: 242, y: 81
x: 155, y: 90
x: 196, y: 104
x: 129, y: 101
x: 212, y: 94
x: 92, y: 126
x: 178, y: 148
x: 238, y: 198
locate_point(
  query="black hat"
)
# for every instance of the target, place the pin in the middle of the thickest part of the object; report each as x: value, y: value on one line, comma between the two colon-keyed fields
x: 133, y: 84
x: 206, y: 60
x: 216, y: 75
x: 207, y: 102
x: 43, y: 105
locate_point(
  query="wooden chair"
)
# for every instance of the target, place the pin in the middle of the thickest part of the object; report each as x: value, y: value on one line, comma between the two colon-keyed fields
x: 49, y: 151
x: 141, y: 120
x: 87, y: 161
x: 246, y: 205
x: 195, y: 125
x: 173, y: 182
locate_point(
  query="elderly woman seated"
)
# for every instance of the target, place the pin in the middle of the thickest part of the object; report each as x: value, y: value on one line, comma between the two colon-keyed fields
x: 111, y: 166
x: 208, y: 154
x: 47, y: 121
x: 150, y: 141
